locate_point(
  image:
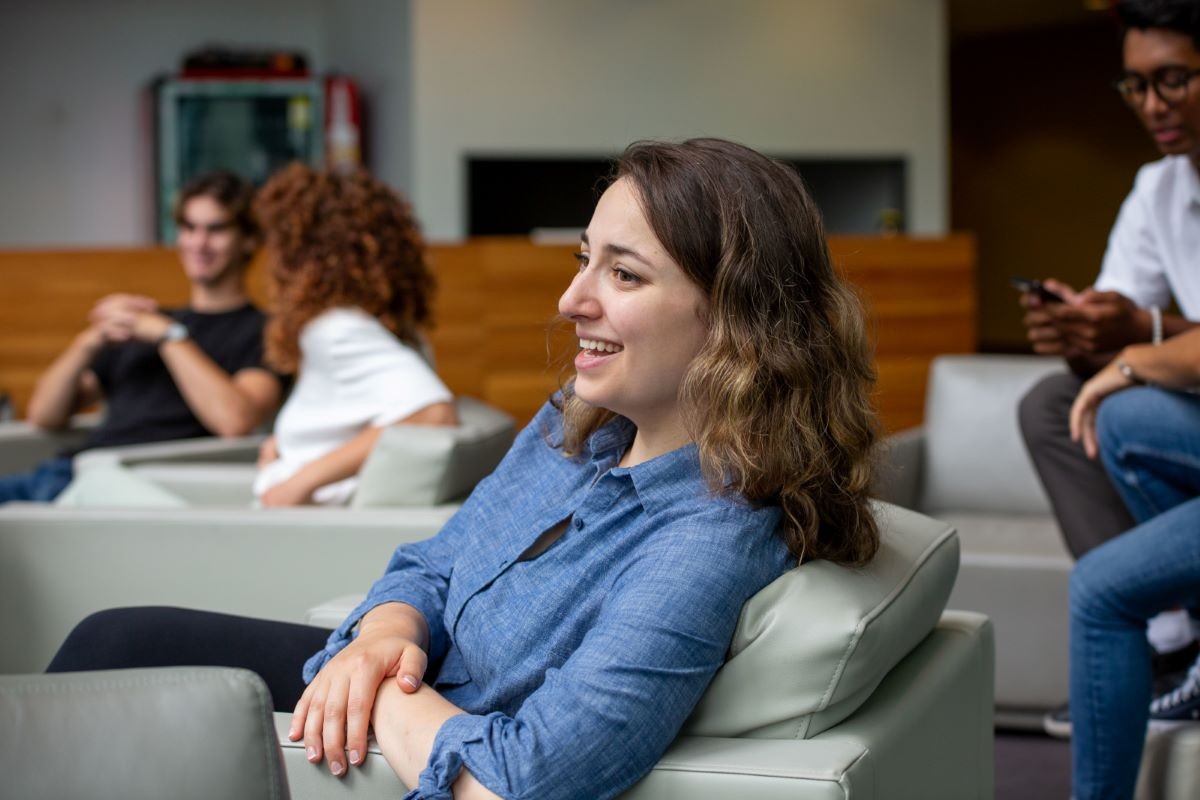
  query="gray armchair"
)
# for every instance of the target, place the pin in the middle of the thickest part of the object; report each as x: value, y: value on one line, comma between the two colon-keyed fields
x: 23, y: 446
x: 57, y: 565
x: 410, y: 465
x: 841, y: 683
x: 118, y: 735
x: 967, y: 465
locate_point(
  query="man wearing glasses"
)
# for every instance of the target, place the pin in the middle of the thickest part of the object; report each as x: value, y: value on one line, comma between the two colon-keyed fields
x: 1152, y: 259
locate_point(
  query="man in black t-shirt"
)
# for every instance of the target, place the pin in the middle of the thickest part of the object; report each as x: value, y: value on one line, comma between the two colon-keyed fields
x: 167, y: 373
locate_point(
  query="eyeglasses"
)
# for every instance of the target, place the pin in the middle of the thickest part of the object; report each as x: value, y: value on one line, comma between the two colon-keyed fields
x: 1169, y: 83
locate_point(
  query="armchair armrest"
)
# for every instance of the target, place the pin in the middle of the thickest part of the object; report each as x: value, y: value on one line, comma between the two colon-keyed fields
x: 23, y: 446
x: 207, y: 450
x: 116, y: 734
x: 898, y: 475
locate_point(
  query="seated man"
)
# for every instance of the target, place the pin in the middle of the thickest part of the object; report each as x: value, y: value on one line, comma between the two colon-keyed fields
x: 1150, y: 262
x: 166, y: 373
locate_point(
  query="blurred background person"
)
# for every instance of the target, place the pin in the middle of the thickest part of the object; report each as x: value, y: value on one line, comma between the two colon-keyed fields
x: 351, y: 292
x: 166, y: 374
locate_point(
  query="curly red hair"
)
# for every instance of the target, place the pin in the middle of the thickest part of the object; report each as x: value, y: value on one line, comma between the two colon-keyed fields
x: 340, y: 240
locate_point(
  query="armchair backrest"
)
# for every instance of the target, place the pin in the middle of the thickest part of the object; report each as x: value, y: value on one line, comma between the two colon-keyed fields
x: 144, y: 734
x: 425, y: 465
x: 974, y: 457
x: 812, y: 646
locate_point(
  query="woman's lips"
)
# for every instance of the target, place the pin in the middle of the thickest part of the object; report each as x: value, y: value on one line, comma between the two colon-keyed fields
x: 590, y: 359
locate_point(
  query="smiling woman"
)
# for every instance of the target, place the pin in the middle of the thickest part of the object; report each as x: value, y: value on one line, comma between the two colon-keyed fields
x: 551, y: 640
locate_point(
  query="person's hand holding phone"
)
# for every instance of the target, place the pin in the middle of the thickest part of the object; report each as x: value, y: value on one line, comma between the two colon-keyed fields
x: 1041, y: 300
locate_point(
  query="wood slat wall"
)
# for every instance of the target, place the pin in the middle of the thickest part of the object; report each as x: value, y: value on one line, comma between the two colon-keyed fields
x: 495, y: 337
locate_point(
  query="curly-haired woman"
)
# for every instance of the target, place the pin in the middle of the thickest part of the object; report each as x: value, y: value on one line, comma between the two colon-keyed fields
x: 351, y: 292
x: 551, y: 640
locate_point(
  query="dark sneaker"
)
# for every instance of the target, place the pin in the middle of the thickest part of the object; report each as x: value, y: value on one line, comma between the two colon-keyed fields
x: 1174, y: 663
x: 1057, y: 723
x: 1181, y: 704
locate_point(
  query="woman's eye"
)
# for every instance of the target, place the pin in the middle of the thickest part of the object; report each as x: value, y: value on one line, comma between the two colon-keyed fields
x: 582, y: 260
x: 624, y: 276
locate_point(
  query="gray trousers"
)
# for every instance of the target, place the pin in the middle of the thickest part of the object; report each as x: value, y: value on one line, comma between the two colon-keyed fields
x: 1088, y: 509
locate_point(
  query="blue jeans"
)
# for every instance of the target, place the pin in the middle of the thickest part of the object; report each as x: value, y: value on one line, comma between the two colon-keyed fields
x: 1115, y: 589
x: 41, y: 485
x: 1150, y: 445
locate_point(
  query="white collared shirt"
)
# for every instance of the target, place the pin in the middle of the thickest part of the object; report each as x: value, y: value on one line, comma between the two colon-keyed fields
x: 1154, y: 249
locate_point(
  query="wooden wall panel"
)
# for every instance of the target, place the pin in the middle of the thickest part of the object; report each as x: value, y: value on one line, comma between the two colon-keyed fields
x: 495, y: 335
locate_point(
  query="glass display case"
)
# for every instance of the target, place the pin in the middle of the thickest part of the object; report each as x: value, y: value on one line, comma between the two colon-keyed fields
x: 248, y: 126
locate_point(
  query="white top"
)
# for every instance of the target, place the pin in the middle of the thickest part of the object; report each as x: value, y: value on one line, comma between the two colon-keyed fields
x: 1154, y: 248
x: 354, y: 373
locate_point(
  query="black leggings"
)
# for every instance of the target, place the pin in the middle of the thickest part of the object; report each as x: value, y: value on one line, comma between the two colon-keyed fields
x: 157, y: 636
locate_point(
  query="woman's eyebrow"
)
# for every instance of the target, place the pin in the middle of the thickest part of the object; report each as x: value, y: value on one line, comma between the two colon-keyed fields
x: 619, y: 250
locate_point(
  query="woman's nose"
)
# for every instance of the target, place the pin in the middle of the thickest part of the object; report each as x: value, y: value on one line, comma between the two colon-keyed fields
x: 579, y: 300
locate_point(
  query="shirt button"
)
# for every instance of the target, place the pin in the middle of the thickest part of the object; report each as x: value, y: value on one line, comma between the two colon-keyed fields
x: 578, y: 524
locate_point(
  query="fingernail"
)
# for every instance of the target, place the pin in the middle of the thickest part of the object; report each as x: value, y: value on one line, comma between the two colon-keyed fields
x: 337, y: 768
x: 355, y: 757
x: 311, y: 753
x: 410, y: 681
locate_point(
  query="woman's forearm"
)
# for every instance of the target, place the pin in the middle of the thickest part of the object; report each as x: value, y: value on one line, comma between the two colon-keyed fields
x: 347, y: 460
x: 1175, y: 364
x: 405, y: 726
x: 339, y: 463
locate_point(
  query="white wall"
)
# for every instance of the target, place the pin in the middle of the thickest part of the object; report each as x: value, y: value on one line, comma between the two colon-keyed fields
x: 76, y: 154
x: 448, y: 77
x: 370, y: 41
x: 790, y: 77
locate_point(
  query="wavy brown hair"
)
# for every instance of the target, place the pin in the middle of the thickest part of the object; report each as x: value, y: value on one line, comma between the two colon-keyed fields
x: 340, y: 240
x: 778, y: 399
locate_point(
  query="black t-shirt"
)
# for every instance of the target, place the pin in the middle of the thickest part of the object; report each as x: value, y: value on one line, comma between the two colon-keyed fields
x: 142, y: 402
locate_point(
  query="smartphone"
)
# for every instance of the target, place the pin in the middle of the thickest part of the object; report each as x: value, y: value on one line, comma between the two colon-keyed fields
x: 1034, y: 286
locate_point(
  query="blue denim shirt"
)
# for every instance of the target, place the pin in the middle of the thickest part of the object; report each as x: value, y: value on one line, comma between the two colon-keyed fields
x: 575, y: 668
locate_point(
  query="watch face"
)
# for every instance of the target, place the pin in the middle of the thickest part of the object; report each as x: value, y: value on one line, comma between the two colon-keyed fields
x: 176, y: 332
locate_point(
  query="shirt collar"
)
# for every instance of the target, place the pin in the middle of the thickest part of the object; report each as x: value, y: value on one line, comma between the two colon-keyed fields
x: 659, y: 482
x: 664, y: 480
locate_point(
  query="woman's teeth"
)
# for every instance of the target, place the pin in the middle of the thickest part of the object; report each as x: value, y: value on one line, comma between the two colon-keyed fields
x: 600, y: 347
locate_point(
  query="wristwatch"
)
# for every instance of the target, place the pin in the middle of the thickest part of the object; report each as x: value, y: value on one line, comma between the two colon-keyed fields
x: 175, y: 332
x: 1129, y: 374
